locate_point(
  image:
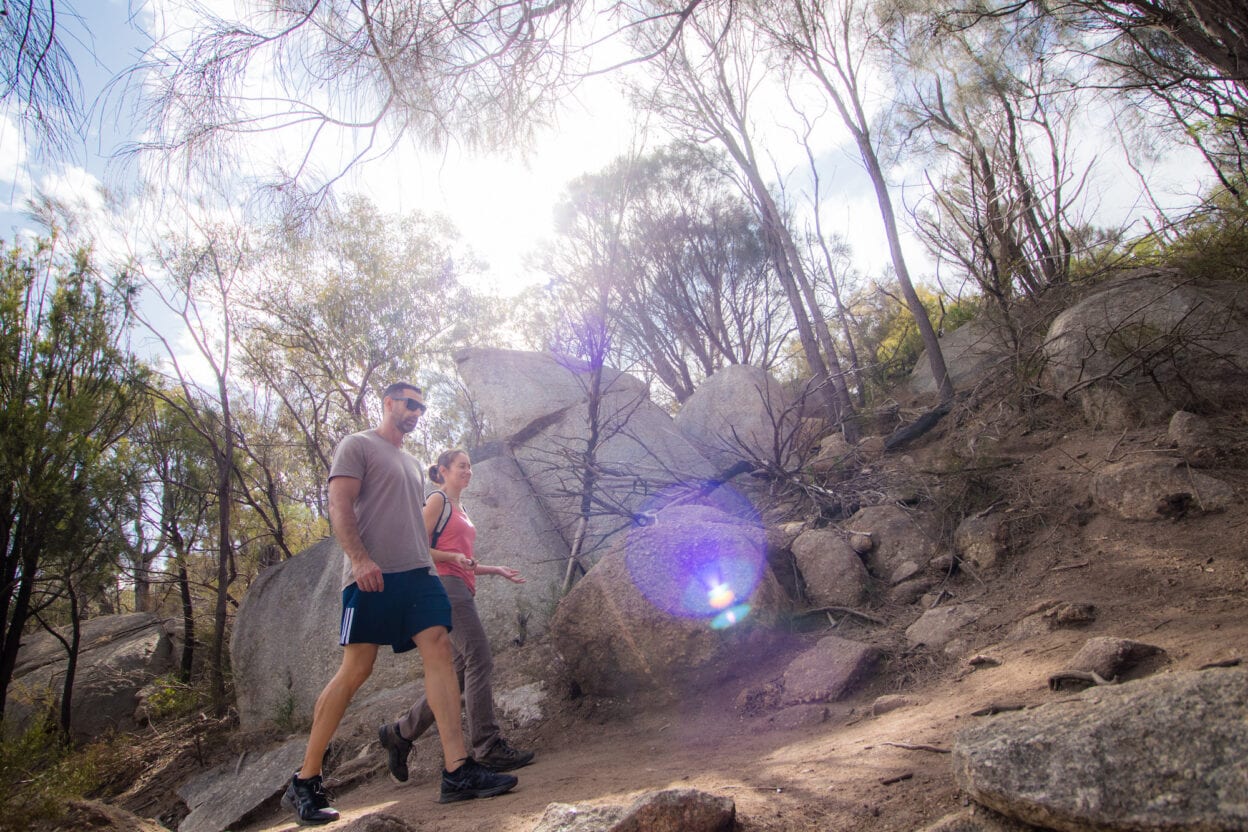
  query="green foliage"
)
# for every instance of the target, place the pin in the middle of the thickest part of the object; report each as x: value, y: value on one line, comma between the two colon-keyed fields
x: 69, y: 393
x: 39, y: 772
x: 889, y: 339
x: 287, y: 718
x: 170, y: 698
x: 1210, y: 244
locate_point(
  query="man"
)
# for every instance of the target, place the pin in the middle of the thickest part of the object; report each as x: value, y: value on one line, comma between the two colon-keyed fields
x: 390, y: 596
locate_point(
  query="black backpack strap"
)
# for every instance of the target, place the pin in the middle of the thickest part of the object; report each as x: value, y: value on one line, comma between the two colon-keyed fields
x: 443, y: 518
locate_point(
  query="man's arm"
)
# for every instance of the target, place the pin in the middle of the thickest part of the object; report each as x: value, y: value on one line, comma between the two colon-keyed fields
x: 343, y: 492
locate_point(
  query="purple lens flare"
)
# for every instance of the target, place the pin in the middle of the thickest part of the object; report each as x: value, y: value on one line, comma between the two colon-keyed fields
x: 695, y: 563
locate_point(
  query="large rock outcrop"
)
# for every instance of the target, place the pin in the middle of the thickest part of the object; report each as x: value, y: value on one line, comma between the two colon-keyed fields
x: 519, y: 391
x: 1164, y: 753
x: 739, y: 413
x: 222, y: 796
x: 644, y: 617
x: 1149, y: 343
x: 540, y: 407
x: 972, y: 352
x: 118, y: 655
x: 284, y: 646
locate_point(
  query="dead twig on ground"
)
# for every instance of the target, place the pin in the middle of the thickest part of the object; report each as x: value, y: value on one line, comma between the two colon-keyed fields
x: 910, y: 746
x: 843, y: 611
x: 1064, y: 567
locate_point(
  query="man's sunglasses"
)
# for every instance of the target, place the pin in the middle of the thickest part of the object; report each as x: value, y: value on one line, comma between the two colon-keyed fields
x: 410, y: 403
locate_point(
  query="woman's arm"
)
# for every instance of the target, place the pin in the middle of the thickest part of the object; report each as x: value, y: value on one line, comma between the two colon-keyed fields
x: 507, y: 572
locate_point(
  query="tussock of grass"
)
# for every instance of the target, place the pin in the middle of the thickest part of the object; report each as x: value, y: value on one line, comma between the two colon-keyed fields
x: 40, y: 772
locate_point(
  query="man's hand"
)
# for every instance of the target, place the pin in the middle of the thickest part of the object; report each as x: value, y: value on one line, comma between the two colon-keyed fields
x: 367, y: 574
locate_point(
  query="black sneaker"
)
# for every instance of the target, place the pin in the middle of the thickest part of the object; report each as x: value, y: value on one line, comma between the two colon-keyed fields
x: 309, y: 801
x: 502, y: 757
x: 473, y: 780
x: 397, y: 750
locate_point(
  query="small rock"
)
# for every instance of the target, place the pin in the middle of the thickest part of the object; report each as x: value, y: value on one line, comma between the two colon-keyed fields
x: 1072, y: 615
x: 671, y: 810
x: 937, y: 627
x: 1110, y: 657
x: 908, y: 592
x: 871, y: 447
x: 828, y: 671
x: 890, y: 702
x: 977, y: 819
x: 835, y: 457
x: 904, y: 572
x: 861, y: 542
x: 1158, y: 489
x: 800, y: 716
x: 982, y: 541
x: 1195, y: 439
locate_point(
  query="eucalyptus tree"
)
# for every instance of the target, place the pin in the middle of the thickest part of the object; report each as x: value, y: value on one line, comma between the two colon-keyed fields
x: 1184, y: 62
x: 831, y: 43
x: 692, y: 287
x: 705, y: 93
x: 80, y: 566
x: 194, y: 280
x: 343, y: 307
x: 69, y: 394
x: 1213, y: 32
x: 995, y: 115
x: 176, y: 493
x: 355, y: 74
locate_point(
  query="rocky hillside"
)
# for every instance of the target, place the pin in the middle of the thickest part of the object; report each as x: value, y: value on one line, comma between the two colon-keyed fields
x: 1029, y: 615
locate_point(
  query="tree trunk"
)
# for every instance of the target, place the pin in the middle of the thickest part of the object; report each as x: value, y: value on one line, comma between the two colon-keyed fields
x: 71, y: 665
x: 188, y: 623
x: 18, y: 616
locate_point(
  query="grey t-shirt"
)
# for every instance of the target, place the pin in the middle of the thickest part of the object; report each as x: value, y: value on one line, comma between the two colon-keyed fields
x: 392, y: 492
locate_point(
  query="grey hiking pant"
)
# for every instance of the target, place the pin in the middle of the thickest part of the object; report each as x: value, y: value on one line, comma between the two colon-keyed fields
x: 474, y: 665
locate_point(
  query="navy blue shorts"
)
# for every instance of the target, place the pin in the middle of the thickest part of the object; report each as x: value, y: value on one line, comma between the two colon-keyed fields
x: 409, y: 602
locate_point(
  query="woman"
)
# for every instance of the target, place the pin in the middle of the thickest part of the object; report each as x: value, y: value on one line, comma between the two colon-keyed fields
x: 474, y: 661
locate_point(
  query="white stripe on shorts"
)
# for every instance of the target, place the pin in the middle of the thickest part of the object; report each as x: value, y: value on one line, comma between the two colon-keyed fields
x: 348, y: 615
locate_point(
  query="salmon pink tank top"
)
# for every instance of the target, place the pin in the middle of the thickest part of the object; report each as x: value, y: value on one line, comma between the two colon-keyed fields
x: 458, y: 536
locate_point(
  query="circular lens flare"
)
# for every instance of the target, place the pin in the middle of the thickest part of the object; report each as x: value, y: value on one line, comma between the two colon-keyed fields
x: 698, y: 560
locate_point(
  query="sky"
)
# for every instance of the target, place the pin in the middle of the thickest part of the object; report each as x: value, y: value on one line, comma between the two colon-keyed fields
x: 501, y: 203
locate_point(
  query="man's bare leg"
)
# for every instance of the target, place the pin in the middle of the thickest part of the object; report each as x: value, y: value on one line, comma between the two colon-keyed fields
x: 442, y: 692
x: 356, y: 667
